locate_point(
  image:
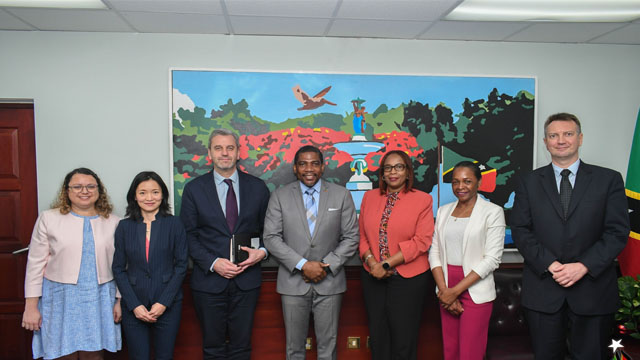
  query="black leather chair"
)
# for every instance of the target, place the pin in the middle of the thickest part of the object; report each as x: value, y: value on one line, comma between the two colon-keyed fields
x: 508, y: 330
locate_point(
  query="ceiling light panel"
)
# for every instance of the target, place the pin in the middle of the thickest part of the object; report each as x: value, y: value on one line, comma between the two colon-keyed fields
x: 58, y: 4
x: 547, y: 10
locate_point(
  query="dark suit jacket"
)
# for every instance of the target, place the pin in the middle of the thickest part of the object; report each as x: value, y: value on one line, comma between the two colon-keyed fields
x: 208, y: 234
x: 595, y: 231
x: 159, y: 280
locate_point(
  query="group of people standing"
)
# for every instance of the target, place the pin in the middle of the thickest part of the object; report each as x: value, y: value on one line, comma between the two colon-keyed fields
x: 311, y: 229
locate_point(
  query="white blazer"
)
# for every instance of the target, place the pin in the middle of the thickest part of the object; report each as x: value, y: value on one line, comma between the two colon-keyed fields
x: 482, y: 246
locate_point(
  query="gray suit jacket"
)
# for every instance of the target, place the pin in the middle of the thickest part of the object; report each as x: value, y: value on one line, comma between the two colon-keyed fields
x: 287, y: 237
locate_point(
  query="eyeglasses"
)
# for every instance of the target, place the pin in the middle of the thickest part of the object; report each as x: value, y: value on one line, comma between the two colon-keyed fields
x: 398, y: 167
x: 78, y: 188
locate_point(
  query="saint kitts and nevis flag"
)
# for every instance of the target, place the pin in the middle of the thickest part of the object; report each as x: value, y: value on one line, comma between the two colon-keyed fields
x: 629, y: 259
x: 620, y: 355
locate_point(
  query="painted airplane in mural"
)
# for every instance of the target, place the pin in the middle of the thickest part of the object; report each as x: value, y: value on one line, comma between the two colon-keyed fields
x: 310, y: 103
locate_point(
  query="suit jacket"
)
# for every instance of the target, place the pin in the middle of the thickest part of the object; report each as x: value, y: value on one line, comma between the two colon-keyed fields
x: 55, y: 250
x: 594, y: 233
x: 410, y: 228
x: 287, y: 237
x: 160, y: 279
x: 208, y: 234
x: 482, y: 245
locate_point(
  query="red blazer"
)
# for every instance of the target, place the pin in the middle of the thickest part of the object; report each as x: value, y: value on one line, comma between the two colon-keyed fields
x: 410, y: 228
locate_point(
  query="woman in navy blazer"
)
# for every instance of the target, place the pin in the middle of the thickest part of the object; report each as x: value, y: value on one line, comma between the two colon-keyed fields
x: 149, y: 265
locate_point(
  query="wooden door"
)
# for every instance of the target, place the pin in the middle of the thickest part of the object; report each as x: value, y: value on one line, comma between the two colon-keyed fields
x: 18, y: 212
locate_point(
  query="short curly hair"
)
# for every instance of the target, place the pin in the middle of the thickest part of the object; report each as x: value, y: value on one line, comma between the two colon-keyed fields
x: 103, y: 204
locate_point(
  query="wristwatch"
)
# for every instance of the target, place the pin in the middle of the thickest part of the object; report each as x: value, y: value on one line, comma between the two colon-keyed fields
x: 385, y: 265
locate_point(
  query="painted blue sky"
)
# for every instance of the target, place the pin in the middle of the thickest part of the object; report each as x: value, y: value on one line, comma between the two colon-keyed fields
x: 271, y: 98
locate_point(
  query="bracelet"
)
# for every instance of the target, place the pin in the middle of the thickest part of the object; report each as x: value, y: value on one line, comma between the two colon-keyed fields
x: 367, y: 258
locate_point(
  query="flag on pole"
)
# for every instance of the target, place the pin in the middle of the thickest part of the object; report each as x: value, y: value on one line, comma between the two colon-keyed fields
x: 620, y: 355
x: 628, y: 259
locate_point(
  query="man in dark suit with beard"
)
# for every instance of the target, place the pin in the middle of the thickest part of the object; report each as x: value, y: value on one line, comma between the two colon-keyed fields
x: 569, y: 222
x: 215, y: 206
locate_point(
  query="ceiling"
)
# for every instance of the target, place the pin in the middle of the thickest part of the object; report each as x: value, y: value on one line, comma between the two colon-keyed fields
x: 391, y: 19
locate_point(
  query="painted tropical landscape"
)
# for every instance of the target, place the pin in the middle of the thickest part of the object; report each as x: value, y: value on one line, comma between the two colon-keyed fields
x: 354, y: 120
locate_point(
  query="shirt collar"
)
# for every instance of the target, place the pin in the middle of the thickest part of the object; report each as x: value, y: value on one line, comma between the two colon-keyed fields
x: 219, y: 179
x: 316, y: 187
x: 573, y: 168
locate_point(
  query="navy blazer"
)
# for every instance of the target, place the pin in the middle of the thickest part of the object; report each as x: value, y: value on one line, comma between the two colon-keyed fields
x: 208, y: 234
x: 594, y: 233
x: 159, y: 280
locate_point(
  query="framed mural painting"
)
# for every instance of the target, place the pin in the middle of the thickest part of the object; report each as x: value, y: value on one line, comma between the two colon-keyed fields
x: 354, y: 119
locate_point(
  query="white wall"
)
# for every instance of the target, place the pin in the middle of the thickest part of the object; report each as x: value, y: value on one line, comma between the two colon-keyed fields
x: 102, y: 99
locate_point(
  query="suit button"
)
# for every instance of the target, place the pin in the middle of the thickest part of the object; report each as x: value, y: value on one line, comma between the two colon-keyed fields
x: 313, y: 246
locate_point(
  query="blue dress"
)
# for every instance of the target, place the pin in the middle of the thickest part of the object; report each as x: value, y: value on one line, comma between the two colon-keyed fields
x: 77, y: 317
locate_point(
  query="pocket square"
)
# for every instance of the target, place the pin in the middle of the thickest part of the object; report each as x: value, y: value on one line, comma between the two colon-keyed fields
x: 333, y: 209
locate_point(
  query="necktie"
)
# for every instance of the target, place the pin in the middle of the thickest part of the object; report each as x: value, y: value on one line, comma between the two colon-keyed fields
x: 232, y: 206
x: 565, y: 191
x: 311, y: 210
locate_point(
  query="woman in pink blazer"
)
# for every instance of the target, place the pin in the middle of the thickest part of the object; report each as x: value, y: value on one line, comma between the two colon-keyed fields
x: 467, y: 247
x: 71, y: 303
x: 396, y: 225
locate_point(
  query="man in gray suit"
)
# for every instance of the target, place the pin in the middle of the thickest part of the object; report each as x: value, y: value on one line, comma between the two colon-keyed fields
x: 311, y: 229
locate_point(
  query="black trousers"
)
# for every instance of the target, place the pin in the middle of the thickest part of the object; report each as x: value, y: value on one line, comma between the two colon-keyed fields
x: 394, y: 310
x: 226, y: 316
x: 139, y: 334
x: 588, y: 336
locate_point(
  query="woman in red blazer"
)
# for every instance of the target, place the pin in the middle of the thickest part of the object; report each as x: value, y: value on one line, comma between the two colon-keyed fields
x: 396, y: 226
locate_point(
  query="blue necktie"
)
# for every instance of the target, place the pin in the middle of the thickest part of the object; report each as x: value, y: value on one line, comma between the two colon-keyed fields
x: 310, y: 204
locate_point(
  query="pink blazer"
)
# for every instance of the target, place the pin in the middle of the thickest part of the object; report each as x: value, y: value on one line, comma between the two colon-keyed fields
x: 56, y: 249
x: 410, y: 228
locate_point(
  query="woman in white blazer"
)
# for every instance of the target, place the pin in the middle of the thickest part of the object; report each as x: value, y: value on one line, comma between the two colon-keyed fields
x: 467, y: 248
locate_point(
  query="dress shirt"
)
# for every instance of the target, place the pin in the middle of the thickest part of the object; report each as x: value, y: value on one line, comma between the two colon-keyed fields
x: 316, y: 200
x: 572, y: 177
x: 222, y: 189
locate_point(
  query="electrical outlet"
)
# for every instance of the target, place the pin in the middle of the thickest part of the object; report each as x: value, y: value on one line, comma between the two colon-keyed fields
x: 353, y: 342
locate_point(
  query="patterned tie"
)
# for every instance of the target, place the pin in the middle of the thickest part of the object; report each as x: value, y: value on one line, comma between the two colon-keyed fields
x: 311, y: 209
x: 232, y: 206
x: 565, y: 192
